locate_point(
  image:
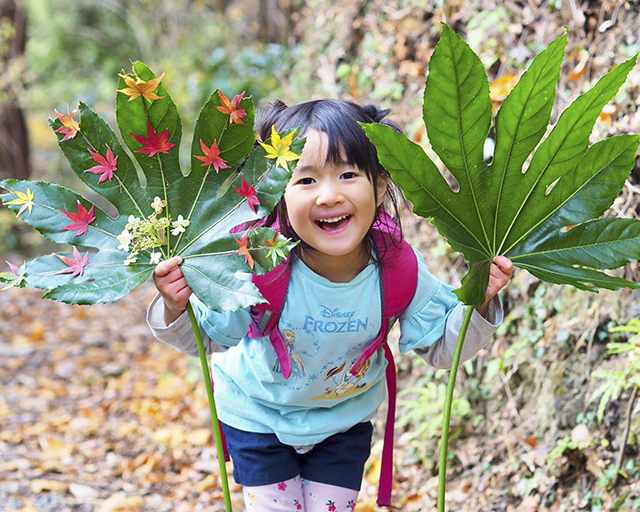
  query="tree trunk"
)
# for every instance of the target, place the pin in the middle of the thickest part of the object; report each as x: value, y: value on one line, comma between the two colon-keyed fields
x: 14, y: 137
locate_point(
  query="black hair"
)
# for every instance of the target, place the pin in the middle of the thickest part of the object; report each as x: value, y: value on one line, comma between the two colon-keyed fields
x: 346, y: 138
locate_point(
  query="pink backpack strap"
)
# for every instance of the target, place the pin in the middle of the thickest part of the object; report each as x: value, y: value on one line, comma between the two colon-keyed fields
x: 399, y: 275
x: 273, y: 287
x: 399, y: 278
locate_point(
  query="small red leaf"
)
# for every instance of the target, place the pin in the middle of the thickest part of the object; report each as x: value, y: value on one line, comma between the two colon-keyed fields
x: 212, y: 156
x: 250, y: 193
x: 153, y: 143
x: 106, y: 165
x: 75, y: 265
x: 81, y: 220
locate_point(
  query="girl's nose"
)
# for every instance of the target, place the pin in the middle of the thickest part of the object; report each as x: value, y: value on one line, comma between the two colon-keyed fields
x: 329, y: 194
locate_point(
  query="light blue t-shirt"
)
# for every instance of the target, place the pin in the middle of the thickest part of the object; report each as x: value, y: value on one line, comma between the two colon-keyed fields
x: 325, y: 326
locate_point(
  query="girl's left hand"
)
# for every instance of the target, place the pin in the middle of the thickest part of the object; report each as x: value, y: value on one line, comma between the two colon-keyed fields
x: 499, y: 275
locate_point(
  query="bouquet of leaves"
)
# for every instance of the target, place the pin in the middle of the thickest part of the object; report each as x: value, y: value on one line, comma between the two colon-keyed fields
x: 545, y: 218
x: 162, y: 213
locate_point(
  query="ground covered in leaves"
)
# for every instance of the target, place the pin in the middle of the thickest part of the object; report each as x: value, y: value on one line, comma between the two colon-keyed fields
x: 96, y: 415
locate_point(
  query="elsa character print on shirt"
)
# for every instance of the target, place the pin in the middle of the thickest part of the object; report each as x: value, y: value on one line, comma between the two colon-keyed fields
x: 297, y: 366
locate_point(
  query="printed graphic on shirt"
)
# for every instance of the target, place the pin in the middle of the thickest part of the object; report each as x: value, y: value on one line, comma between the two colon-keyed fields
x: 342, y: 383
x: 297, y: 366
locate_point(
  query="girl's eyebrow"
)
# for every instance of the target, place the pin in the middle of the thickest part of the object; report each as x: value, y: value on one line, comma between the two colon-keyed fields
x: 304, y: 168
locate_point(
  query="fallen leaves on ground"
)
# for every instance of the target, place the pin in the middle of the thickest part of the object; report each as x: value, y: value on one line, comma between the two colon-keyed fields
x: 97, y: 415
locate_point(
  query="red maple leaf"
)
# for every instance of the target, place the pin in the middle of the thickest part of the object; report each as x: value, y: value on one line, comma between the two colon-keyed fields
x: 250, y: 193
x: 81, y: 220
x: 212, y: 156
x: 75, y: 265
x: 153, y: 143
x: 244, y: 250
x: 106, y: 166
x: 231, y: 107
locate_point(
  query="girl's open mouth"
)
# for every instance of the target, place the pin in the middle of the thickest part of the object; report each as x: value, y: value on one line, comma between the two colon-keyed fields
x: 333, y: 223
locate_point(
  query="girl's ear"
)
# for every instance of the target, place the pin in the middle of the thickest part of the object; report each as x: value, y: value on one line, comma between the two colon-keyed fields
x: 381, y: 189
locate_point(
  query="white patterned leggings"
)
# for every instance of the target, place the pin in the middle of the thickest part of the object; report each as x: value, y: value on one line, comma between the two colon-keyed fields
x: 297, y: 494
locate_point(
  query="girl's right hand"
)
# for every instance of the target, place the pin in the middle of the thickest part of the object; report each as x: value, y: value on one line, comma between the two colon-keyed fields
x: 173, y: 288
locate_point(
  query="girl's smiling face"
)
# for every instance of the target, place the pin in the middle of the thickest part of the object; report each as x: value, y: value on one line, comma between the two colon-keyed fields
x: 331, y: 207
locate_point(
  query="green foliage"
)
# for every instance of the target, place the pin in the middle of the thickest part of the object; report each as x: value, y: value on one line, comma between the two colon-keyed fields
x: 421, y: 411
x: 626, y: 374
x: 163, y: 215
x: 544, y: 219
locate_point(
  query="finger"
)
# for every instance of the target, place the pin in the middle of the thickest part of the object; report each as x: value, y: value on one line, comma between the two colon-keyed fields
x: 504, y: 264
x: 183, y: 296
x: 164, y: 267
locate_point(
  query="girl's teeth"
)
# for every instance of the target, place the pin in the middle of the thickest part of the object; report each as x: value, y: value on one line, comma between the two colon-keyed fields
x: 334, y: 219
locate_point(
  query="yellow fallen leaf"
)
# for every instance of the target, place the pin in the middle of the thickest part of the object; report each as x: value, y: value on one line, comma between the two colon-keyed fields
x: 170, y: 387
x: 54, y: 448
x: 199, y: 437
x: 121, y: 503
x: 171, y: 436
x: 41, y: 485
x: 367, y: 506
x: 207, y: 483
x: 37, y: 330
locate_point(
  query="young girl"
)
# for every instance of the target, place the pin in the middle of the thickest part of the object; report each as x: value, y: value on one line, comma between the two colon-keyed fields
x: 301, y: 443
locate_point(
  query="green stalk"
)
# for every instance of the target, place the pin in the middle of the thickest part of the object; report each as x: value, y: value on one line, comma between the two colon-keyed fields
x: 451, y: 385
x: 212, y: 407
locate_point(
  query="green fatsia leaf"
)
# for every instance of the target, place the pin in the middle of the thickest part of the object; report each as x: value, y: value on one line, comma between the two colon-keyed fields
x: 543, y: 217
x: 199, y: 216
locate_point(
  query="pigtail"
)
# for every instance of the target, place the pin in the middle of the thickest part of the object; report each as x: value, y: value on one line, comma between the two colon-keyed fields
x: 378, y: 115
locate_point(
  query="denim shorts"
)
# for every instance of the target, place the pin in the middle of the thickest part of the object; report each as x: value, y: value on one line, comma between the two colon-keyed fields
x: 261, y: 459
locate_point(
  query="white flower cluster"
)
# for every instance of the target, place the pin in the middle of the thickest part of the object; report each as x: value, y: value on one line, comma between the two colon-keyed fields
x: 148, y: 234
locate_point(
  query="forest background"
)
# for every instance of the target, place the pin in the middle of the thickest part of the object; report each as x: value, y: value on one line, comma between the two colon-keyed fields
x: 95, y: 415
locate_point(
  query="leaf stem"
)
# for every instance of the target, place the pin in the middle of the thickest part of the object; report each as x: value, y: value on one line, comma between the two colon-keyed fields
x: 212, y: 407
x: 123, y: 187
x: 164, y: 188
x: 195, y: 201
x: 446, y: 417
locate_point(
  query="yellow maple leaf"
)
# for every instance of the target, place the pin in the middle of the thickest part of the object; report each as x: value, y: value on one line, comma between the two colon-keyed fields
x: 24, y: 199
x: 280, y: 148
x: 138, y: 87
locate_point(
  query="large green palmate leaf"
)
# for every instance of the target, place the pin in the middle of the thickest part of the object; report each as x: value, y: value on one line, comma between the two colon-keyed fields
x: 545, y: 217
x: 216, y: 258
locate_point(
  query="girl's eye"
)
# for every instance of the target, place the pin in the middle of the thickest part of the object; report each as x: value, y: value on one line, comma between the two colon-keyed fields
x: 349, y: 175
x: 305, y: 181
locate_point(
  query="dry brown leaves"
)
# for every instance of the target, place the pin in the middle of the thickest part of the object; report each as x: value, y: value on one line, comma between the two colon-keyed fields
x: 97, y: 415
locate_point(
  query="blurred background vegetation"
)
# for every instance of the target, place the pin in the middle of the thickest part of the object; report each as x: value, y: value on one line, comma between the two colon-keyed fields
x: 548, y: 415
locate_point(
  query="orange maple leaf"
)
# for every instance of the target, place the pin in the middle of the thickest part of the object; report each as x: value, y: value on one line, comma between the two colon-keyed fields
x: 138, y: 87
x: 69, y: 125
x: 244, y: 250
x: 231, y: 108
